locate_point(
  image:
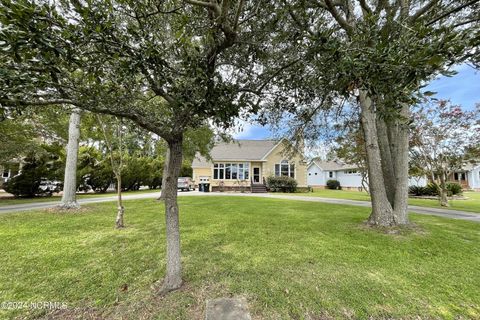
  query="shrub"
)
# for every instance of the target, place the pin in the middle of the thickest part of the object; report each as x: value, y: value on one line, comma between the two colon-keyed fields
x: 282, y: 184
x: 431, y: 190
x: 417, y: 190
x: 29, y: 182
x: 334, y: 184
x: 454, y: 188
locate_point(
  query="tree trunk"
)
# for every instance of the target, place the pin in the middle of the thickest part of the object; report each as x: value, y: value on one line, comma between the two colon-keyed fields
x: 165, y: 173
x: 69, y: 197
x: 388, y: 170
x: 382, y: 211
x: 399, y: 148
x: 442, y: 190
x: 120, y: 209
x: 173, y: 278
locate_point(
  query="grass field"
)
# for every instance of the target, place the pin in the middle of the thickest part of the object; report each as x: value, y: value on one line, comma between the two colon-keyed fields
x: 290, y: 259
x: 472, y: 204
x: 12, y: 201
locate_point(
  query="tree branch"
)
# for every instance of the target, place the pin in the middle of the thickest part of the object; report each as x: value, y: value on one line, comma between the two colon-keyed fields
x: 454, y: 10
x: 365, y: 8
x: 336, y: 15
x: 208, y: 5
x: 237, y: 14
x: 423, y: 10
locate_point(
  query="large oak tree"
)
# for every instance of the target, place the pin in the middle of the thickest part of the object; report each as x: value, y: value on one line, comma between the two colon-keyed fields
x: 373, y: 57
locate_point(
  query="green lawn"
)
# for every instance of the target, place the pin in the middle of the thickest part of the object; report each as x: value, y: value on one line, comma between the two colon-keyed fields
x: 290, y: 259
x: 12, y: 201
x: 472, y: 204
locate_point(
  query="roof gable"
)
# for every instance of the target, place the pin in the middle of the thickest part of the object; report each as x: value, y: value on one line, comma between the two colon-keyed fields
x: 237, y: 150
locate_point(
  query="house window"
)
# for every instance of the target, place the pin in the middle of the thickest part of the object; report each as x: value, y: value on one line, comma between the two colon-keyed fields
x: 316, y: 173
x: 228, y: 171
x: 309, y: 174
x: 351, y: 171
x: 330, y: 174
x: 285, y: 169
x: 5, y: 174
x: 231, y: 171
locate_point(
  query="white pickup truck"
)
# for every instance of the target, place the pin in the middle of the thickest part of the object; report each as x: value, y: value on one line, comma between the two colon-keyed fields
x: 185, y: 184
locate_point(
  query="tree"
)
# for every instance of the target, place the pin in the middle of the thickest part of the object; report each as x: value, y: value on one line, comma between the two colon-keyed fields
x: 373, y: 56
x: 113, y: 135
x: 163, y: 65
x: 442, y: 135
x: 69, y: 197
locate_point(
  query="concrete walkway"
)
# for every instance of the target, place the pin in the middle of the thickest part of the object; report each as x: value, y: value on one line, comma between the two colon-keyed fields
x: 446, y: 213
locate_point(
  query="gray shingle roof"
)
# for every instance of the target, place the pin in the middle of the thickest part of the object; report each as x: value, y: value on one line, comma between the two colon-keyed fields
x: 332, y: 165
x: 238, y: 150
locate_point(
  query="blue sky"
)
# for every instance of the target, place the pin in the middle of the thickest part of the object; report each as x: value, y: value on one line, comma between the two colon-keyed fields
x: 462, y: 88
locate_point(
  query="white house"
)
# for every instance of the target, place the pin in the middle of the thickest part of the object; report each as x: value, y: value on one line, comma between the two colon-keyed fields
x: 472, y: 174
x: 319, y: 172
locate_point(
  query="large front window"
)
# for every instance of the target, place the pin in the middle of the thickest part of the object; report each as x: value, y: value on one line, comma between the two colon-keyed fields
x: 284, y: 168
x: 231, y: 171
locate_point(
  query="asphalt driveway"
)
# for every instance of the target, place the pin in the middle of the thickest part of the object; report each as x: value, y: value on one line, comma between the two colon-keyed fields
x: 446, y: 213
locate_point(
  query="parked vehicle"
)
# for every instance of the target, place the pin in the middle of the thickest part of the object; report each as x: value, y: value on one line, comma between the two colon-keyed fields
x: 49, y: 187
x: 185, y: 184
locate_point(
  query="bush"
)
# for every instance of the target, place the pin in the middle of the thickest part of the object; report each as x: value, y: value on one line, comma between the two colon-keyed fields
x: 281, y: 184
x: 35, y: 170
x: 417, y: 190
x: 334, y: 185
x: 454, y: 188
x: 433, y: 190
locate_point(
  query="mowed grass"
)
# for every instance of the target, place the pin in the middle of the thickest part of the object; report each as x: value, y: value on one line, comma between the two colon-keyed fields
x: 289, y: 259
x: 472, y: 204
x: 8, y: 201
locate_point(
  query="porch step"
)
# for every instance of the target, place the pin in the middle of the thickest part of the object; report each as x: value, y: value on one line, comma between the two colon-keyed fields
x: 259, y: 188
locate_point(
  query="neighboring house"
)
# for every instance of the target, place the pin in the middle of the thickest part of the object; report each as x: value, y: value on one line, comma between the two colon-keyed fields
x: 9, y: 170
x: 319, y: 172
x: 468, y: 177
x: 246, y: 164
x: 349, y: 176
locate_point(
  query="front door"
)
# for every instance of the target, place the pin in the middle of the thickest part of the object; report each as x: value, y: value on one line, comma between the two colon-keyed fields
x: 256, y: 174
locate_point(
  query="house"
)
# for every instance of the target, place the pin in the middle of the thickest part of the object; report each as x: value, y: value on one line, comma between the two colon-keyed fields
x: 246, y: 164
x: 9, y: 170
x: 468, y: 177
x: 349, y: 176
x: 319, y: 172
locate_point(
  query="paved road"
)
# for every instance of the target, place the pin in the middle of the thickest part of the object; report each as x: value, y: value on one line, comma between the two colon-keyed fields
x: 454, y: 214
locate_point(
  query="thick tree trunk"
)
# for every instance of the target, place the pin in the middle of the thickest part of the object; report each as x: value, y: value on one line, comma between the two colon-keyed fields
x: 382, y: 211
x: 69, y: 197
x: 120, y: 209
x: 388, y: 169
x: 399, y: 148
x: 173, y: 278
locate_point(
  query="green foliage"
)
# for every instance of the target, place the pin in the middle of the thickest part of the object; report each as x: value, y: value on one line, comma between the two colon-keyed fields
x: 432, y: 189
x: 281, y: 184
x: 94, y: 171
x: 333, y: 184
x: 36, y: 168
x: 454, y: 188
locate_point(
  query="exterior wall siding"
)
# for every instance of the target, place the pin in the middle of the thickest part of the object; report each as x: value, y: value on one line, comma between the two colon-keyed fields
x: 353, y: 180
x: 316, y: 176
x: 473, y: 177
x: 276, y: 156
